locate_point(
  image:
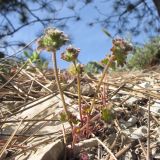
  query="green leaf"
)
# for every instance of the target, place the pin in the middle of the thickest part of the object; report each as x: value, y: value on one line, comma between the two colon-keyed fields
x: 107, y: 33
x: 112, y: 65
x: 121, y: 59
x: 26, y: 54
x: 35, y: 55
x: 105, y: 61
x: 63, y: 117
x: 106, y: 115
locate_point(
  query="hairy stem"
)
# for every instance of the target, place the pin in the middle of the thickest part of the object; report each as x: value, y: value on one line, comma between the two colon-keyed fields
x: 79, y: 92
x: 101, y: 80
x: 79, y: 95
x: 59, y: 86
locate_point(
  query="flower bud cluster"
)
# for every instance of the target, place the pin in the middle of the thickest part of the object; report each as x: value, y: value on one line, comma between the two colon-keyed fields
x: 71, y: 54
x: 52, y: 40
x: 122, y: 46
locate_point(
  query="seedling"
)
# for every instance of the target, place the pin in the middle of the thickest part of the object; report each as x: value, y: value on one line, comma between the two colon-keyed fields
x: 53, y: 40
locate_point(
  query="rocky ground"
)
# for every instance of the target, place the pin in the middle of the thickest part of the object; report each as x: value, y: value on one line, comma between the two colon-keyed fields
x: 29, y: 116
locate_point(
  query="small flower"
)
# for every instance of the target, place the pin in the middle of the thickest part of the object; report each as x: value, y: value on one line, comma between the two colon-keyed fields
x: 120, y: 45
x: 71, y: 54
x: 52, y: 40
x: 120, y: 50
x: 119, y: 54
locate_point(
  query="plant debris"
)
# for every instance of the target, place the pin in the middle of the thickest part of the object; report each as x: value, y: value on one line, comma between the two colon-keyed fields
x: 30, y: 108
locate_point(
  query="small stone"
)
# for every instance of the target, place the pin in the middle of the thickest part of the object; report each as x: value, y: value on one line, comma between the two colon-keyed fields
x: 145, y: 85
x: 128, y: 156
x: 52, y: 151
x: 131, y: 101
x: 156, y: 153
x: 87, y: 90
x: 155, y: 107
x: 132, y: 121
x: 139, y: 133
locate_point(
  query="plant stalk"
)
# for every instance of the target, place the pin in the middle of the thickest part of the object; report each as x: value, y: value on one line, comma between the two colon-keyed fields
x: 59, y: 86
x: 101, y: 80
x: 148, y: 134
x: 79, y: 92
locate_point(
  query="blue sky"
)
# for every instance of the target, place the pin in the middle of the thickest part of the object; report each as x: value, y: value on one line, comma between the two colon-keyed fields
x: 94, y: 44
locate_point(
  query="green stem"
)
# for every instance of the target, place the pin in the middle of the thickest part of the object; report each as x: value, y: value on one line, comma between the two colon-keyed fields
x: 59, y: 86
x: 101, y: 80
x: 79, y: 91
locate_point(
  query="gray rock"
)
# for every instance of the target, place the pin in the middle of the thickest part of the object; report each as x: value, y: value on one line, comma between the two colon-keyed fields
x: 87, y: 90
x: 139, y: 133
x: 128, y: 156
x: 131, y: 101
x: 39, y: 109
x: 145, y: 85
x: 156, y: 153
x: 131, y: 122
x: 155, y: 107
x: 52, y: 151
x: 88, y: 143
